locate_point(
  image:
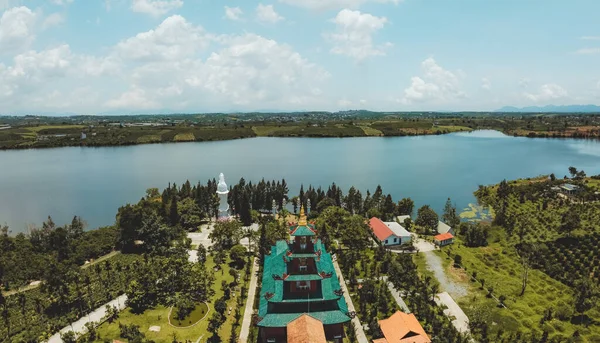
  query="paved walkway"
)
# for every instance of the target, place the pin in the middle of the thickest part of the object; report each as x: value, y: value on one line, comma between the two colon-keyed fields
x: 434, y: 264
x: 461, y: 321
x: 97, y: 315
x: 247, y: 321
x: 397, y: 296
x: 360, y: 333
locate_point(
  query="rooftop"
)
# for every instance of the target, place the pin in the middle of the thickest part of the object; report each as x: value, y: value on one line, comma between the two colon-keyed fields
x: 443, y: 227
x: 398, y: 229
x: 305, y: 329
x: 443, y: 236
x: 569, y: 187
x: 402, y: 328
x: 379, y: 228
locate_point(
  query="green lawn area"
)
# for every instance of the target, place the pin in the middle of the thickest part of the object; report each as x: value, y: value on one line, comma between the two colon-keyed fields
x: 500, y: 269
x: 266, y: 130
x: 184, y: 137
x: 159, y: 316
x: 46, y: 127
x: 455, y: 128
x: 197, y: 314
x: 369, y: 131
x: 149, y: 139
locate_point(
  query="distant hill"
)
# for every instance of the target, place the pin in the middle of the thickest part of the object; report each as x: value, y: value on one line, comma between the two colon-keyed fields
x: 553, y: 108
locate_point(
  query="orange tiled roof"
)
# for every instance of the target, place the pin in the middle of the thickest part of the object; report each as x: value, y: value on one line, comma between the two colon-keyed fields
x: 380, y: 340
x: 403, y: 328
x: 305, y: 329
x: 379, y: 228
x: 443, y: 236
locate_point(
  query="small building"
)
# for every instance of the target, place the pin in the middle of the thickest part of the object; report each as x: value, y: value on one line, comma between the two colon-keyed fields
x: 305, y: 329
x: 570, y: 189
x: 83, y: 135
x: 402, y: 327
x: 444, y: 228
x: 443, y: 239
x: 389, y: 233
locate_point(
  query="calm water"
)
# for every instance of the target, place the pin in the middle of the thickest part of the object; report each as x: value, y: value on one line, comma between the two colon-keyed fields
x: 94, y: 182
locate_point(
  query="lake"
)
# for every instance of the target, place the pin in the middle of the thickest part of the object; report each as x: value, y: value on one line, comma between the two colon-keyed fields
x: 94, y: 182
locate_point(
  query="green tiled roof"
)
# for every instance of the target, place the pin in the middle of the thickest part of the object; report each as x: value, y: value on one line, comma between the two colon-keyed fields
x: 303, y: 230
x: 303, y: 277
x: 275, y: 264
x: 325, y: 317
x: 302, y: 255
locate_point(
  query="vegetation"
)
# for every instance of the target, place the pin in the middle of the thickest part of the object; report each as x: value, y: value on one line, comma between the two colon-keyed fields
x: 42, y: 132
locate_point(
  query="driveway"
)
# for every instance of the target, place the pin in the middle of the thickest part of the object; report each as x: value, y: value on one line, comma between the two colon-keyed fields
x: 422, y: 245
x: 434, y: 264
x: 96, y: 316
x: 460, y: 322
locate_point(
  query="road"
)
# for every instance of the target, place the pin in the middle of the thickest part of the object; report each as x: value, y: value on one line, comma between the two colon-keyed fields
x: 397, y: 296
x: 247, y: 321
x: 461, y: 321
x: 202, y: 237
x: 434, y: 264
x: 96, y: 316
x: 360, y: 333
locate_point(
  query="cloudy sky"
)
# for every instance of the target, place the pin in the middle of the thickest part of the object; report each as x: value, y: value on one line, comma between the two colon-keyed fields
x: 133, y: 56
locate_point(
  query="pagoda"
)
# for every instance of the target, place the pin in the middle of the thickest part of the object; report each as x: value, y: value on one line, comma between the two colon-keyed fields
x: 299, y: 281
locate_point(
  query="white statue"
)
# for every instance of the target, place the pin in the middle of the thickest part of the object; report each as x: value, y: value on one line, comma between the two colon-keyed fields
x: 222, y: 191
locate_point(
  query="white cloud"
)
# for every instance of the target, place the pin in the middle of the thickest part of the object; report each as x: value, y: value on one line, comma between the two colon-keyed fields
x: 344, y: 103
x: 333, y: 4
x: 353, y: 35
x: 173, y: 39
x: 53, y: 19
x: 155, y: 8
x: 590, y: 38
x: 435, y: 85
x: 16, y: 29
x: 486, y: 84
x: 549, y: 91
x: 524, y: 82
x: 233, y: 13
x: 588, y: 51
x: 133, y: 98
x: 61, y: 2
x: 267, y: 14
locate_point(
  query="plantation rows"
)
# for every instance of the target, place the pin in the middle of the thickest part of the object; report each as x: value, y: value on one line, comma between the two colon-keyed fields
x: 568, y: 259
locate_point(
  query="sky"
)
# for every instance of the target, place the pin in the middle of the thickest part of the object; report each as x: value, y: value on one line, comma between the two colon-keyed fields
x: 192, y: 56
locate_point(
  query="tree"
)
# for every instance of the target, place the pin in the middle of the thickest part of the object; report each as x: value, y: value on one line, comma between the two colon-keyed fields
x: 184, y: 306
x: 174, y: 212
x: 573, y: 171
x: 525, y: 254
x: 356, y: 233
x: 450, y: 216
x: 586, y: 294
x: 427, y: 218
x: 405, y: 206
x: 201, y: 253
x: 68, y: 337
x: 155, y: 235
x: 570, y: 221
x: 226, y: 234
x: 237, y: 253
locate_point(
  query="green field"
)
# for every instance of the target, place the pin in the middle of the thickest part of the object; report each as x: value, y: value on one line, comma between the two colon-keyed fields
x: 159, y: 316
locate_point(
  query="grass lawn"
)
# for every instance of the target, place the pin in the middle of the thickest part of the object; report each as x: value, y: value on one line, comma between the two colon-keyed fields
x: 149, y: 139
x: 45, y: 127
x: 369, y: 131
x: 197, y: 314
x: 499, y: 268
x: 184, y: 137
x: 453, y: 128
x: 159, y: 316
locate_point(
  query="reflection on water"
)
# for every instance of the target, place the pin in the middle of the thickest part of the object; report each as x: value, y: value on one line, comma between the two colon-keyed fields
x: 586, y: 147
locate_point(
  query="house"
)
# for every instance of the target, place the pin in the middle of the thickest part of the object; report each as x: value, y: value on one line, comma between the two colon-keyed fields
x: 444, y: 228
x: 389, y: 233
x: 401, y: 327
x: 570, y: 189
x: 300, y: 291
x: 443, y: 239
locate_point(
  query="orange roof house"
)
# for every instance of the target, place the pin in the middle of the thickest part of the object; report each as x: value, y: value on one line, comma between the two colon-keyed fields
x: 305, y: 329
x: 402, y: 328
x: 444, y: 239
x: 380, y: 230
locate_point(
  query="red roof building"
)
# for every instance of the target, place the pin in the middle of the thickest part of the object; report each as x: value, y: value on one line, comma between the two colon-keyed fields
x: 402, y: 328
x: 389, y: 233
x: 444, y: 239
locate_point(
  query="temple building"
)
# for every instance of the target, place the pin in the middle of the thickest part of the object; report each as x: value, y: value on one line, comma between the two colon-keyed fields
x: 300, y: 291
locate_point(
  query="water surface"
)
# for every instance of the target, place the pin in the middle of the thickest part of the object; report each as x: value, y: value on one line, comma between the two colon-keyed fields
x: 94, y: 182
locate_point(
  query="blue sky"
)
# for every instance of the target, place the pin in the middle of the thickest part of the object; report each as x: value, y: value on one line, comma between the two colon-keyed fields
x: 144, y: 56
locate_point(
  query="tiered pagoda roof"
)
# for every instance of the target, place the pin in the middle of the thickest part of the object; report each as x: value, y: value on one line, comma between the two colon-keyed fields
x: 278, y: 306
